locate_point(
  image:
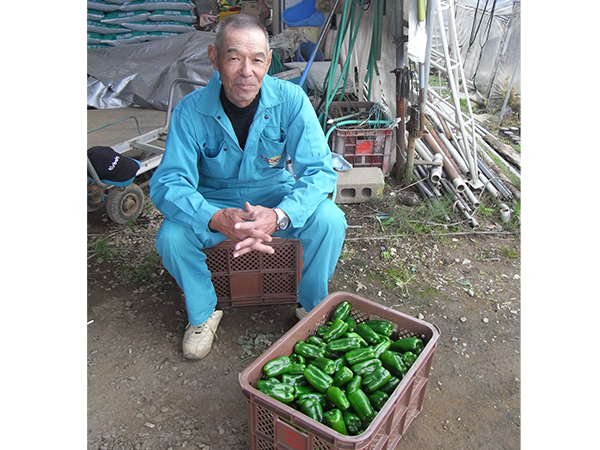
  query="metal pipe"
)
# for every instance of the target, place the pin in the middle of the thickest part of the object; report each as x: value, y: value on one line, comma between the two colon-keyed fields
x: 399, y: 71
x: 457, y: 181
x: 488, y: 186
x: 461, y: 205
x: 441, y: 145
x: 494, y: 180
x: 455, y: 155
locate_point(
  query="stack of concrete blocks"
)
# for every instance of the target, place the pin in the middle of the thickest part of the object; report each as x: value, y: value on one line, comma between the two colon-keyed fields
x: 359, y: 184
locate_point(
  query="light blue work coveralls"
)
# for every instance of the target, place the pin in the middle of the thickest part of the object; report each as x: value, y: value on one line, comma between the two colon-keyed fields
x: 203, y: 169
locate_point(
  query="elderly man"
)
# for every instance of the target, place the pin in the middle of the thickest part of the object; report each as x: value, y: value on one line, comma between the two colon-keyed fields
x: 223, y: 175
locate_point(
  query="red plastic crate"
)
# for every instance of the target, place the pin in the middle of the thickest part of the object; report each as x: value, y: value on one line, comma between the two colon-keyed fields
x: 256, y: 278
x: 365, y: 147
x: 274, y: 425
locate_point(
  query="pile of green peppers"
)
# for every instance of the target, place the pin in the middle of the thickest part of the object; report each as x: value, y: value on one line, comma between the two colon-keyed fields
x: 343, y: 375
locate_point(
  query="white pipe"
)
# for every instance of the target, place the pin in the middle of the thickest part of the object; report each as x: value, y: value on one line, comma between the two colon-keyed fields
x: 436, y: 170
x: 471, y: 197
x: 504, y: 212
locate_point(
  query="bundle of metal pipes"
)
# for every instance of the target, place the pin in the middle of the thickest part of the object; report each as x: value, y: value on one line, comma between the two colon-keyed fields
x: 441, y: 165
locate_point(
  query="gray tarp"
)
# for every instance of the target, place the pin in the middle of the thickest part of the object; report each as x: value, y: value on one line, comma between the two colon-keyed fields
x: 140, y: 75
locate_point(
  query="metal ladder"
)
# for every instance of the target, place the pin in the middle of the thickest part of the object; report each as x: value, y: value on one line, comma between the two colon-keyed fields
x: 454, y: 67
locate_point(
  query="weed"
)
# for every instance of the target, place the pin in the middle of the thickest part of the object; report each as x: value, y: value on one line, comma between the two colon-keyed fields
x: 141, y: 272
x: 429, y: 293
x: 103, y: 251
x: 512, y: 254
x: 399, y: 276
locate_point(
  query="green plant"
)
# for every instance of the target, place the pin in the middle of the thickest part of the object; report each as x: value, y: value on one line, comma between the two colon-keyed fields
x: 399, y: 277
x: 512, y: 254
x: 103, y: 251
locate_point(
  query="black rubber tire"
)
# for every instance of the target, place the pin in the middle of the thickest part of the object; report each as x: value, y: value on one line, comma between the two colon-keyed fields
x: 125, y: 204
x: 96, y: 197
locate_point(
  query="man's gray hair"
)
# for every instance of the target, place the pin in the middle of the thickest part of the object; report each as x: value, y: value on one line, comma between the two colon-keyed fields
x: 238, y: 22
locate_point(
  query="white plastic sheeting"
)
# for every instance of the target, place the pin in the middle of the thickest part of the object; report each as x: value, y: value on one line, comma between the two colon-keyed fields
x: 140, y: 75
x: 489, y: 37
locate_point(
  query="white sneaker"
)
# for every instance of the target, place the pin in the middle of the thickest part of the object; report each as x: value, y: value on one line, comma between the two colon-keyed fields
x: 198, y: 339
x: 301, y: 312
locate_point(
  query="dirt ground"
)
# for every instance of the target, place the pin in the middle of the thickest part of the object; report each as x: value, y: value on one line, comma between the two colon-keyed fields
x: 142, y: 393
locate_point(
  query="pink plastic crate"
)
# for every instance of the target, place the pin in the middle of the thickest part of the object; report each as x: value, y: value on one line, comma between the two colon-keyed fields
x: 274, y: 425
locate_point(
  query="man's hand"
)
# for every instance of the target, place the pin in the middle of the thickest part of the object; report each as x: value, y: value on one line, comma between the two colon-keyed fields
x: 250, y: 228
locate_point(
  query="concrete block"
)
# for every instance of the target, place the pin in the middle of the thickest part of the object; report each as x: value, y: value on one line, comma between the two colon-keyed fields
x: 359, y: 184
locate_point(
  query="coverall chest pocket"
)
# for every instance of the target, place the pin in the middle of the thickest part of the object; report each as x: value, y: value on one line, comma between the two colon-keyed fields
x: 217, y: 160
x: 272, y: 147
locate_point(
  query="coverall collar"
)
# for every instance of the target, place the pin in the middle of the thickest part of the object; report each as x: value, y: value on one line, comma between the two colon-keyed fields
x: 211, y: 105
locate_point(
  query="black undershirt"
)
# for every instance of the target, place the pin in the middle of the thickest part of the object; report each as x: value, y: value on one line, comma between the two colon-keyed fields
x: 241, y: 118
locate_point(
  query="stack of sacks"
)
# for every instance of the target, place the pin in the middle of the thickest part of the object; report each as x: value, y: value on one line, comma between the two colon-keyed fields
x: 118, y: 22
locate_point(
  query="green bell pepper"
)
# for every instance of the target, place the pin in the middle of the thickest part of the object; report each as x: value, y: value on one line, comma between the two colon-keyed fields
x: 362, y: 406
x: 342, y: 376
x: 267, y: 382
x: 279, y: 391
x: 294, y: 379
x: 344, y: 344
x: 390, y: 386
x: 317, y: 378
x: 312, y: 408
x: 296, y: 368
x: 336, y: 330
x: 351, y: 323
x: 315, y: 340
x: 358, y: 355
x: 409, y: 359
x: 376, y: 379
x: 342, y: 311
x: 353, y: 385
x: 313, y: 396
x: 277, y: 366
x: 295, y: 358
x: 335, y: 420
x: 368, y: 334
x: 378, y: 399
x: 352, y: 421
x: 308, y: 350
x: 382, y: 346
x: 336, y: 396
x: 384, y: 327
x: 322, y: 330
x: 394, y: 363
x: 366, y: 367
x: 301, y: 390
x: 354, y: 334
x: 408, y: 344
x: 325, y: 364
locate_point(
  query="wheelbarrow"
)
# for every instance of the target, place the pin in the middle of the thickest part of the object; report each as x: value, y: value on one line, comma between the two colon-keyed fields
x: 124, y: 201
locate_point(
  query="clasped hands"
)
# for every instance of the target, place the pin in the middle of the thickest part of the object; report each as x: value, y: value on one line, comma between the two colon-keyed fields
x: 250, y: 228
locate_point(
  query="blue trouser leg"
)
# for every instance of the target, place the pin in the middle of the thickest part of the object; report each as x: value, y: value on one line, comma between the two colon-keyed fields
x: 322, y: 238
x: 181, y: 251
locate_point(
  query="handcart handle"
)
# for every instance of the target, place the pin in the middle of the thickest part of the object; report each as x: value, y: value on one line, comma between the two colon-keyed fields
x: 170, y: 105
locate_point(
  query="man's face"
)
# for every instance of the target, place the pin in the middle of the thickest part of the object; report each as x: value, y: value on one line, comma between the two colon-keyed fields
x: 242, y: 64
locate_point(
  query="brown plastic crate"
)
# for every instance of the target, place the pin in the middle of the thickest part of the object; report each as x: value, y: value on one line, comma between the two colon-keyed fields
x: 256, y: 278
x: 274, y: 425
x: 365, y: 147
